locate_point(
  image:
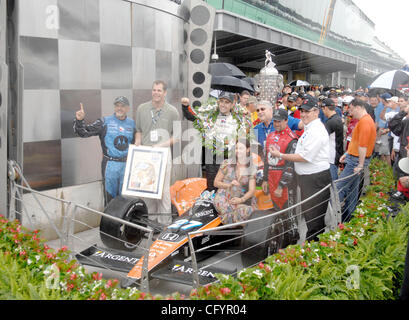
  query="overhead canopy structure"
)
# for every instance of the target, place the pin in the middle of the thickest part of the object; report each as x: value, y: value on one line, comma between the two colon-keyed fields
x: 245, y: 42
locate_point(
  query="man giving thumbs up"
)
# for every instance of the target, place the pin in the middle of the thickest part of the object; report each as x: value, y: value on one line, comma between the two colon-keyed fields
x: 116, y: 132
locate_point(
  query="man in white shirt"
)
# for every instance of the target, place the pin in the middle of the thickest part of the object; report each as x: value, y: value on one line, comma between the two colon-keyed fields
x: 311, y: 164
x: 393, y: 110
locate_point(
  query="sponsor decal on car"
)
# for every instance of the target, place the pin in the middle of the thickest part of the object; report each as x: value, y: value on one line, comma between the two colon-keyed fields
x: 189, y: 270
x: 169, y: 236
x: 204, y: 213
x: 116, y: 257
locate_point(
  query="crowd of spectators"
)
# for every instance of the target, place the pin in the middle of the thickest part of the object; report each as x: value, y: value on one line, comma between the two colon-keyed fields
x: 337, y: 132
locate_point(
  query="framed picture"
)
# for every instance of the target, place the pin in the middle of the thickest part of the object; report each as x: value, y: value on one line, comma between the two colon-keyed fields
x: 145, y: 172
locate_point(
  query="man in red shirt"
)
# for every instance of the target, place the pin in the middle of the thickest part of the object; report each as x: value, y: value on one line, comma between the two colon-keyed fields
x: 279, y: 179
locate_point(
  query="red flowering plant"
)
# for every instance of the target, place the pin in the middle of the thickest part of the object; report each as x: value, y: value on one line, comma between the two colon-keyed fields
x: 369, y: 243
x: 46, y: 273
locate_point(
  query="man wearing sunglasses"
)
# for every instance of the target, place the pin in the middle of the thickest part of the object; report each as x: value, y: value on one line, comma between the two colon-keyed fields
x: 265, y: 114
x: 311, y: 165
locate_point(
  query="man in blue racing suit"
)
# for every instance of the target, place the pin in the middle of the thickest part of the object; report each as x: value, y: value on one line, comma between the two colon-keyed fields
x: 115, y: 132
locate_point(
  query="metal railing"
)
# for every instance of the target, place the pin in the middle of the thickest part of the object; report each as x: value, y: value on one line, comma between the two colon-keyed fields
x: 72, y: 219
x: 286, y: 222
x: 335, y: 214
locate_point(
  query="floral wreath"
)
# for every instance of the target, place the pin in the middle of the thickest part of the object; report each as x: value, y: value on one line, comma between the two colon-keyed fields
x: 219, y: 142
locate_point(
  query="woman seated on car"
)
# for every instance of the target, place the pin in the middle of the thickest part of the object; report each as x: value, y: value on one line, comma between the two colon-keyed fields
x: 236, y: 183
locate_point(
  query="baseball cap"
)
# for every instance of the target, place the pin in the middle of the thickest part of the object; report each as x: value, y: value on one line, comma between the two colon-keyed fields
x: 394, y: 99
x: 309, y: 103
x: 386, y: 96
x: 280, y: 115
x: 328, y: 103
x: 227, y: 95
x: 291, y: 99
x: 121, y: 99
x: 347, y: 100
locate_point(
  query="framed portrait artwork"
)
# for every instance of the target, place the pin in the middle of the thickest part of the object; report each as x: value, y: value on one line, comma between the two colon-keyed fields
x: 145, y: 172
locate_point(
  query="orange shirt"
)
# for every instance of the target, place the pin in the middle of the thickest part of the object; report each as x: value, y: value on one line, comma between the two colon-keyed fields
x: 363, y: 135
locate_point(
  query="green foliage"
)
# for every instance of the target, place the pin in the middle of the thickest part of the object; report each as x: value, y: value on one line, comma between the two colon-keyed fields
x: 30, y: 270
x: 361, y: 260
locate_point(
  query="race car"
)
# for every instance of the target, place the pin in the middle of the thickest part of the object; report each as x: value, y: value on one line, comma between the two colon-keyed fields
x: 169, y: 254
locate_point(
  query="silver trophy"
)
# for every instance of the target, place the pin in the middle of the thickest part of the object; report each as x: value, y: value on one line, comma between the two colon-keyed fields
x: 269, y: 82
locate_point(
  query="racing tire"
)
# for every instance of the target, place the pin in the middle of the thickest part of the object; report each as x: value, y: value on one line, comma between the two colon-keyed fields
x: 262, y: 238
x: 116, y: 235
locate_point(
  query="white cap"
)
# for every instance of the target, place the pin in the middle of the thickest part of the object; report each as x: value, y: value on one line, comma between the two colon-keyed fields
x: 394, y: 99
x: 347, y: 99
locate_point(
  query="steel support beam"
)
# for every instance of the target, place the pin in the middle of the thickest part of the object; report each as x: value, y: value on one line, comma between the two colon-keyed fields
x: 3, y: 107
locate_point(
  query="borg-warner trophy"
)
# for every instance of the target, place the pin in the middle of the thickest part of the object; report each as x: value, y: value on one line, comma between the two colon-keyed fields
x: 269, y: 82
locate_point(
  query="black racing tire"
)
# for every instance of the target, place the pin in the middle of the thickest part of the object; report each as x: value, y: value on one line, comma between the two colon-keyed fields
x: 262, y: 238
x: 116, y: 235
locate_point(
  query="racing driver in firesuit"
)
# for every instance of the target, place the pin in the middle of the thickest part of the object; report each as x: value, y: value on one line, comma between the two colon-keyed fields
x: 115, y: 132
x: 278, y: 176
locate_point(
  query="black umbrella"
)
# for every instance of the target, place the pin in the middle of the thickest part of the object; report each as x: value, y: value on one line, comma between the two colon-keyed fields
x: 250, y: 81
x: 393, y: 79
x: 219, y: 69
x: 230, y: 84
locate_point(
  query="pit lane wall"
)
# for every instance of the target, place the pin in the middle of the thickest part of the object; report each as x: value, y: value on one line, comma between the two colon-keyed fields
x: 90, y: 51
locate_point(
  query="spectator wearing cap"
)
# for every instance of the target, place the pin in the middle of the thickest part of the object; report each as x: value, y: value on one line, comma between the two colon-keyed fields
x: 292, y: 102
x: 154, y: 127
x: 393, y: 109
x: 289, y: 104
x: 335, y: 129
x: 116, y: 132
x: 362, y: 96
x: 225, y: 105
x: 299, y: 100
x: 278, y: 176
x: 357, y: 157
x: 311, y: 165
x: 251, y: 108
x: 384, y: 138
x: 399, y: 125
x: 334, y: 97
x: 265, y: 114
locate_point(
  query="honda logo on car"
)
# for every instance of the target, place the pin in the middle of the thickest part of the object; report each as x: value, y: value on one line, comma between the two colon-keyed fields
x: 188, y: 270
x: 115, y: 257
x: 170, y: 237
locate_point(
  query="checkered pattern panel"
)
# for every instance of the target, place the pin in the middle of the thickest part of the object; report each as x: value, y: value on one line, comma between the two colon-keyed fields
x: 90, y: 51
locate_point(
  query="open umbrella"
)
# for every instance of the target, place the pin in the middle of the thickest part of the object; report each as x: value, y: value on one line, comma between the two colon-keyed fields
x: 299, y: 83
x: 250, y: 81
x: 394, y: 79
x: 218, y: 69
x: 230, y: 84
x: 215, y: 93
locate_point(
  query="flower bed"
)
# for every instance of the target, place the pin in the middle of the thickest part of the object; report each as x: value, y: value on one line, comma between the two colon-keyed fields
x: 29, y: 269
x: 362, y: 259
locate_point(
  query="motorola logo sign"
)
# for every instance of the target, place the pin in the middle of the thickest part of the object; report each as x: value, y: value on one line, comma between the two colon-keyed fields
x: 170, y: 237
